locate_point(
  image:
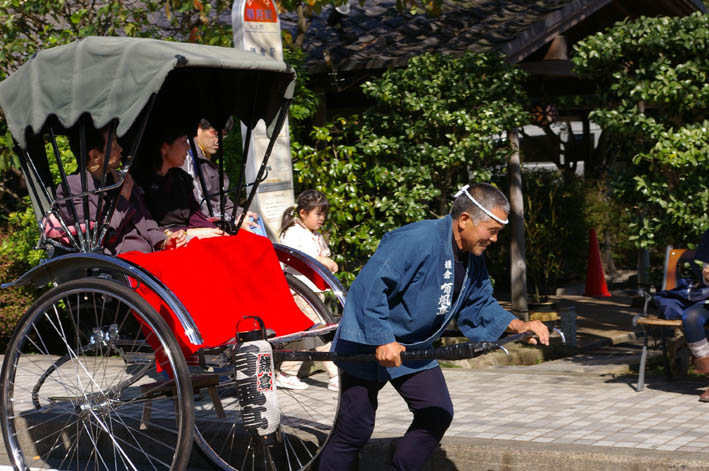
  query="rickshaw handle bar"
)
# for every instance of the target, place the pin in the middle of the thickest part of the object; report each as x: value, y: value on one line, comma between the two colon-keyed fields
x: 459, y: 351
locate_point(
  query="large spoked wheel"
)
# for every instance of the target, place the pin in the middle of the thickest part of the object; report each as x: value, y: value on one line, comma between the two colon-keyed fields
x: 86, y: 384
x: 306, y: 416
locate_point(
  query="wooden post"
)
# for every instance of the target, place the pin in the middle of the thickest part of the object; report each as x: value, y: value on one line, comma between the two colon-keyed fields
x: 518, y: 264
x: 643, y: 254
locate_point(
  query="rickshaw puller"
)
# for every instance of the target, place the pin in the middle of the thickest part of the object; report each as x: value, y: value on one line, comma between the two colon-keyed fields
x: 422, y: 276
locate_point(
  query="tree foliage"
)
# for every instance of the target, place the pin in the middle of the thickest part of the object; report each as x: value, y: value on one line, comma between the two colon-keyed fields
x: 652, y: 74
x: 431, y: 130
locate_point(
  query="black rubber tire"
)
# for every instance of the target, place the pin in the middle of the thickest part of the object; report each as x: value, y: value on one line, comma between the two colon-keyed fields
x: 95, y: 418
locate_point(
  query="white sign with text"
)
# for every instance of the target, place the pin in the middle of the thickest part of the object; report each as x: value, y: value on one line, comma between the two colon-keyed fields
x: 257, y: 29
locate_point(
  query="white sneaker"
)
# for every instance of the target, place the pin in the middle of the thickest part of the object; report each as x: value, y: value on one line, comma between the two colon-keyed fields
x: 334, y: 384
x: 285, y: 381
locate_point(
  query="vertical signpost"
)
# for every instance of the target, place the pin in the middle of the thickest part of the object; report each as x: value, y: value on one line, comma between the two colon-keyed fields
x: 257, y: 29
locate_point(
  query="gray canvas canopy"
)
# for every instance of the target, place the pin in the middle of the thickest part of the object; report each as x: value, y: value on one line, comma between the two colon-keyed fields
x: 141, y: 90
x: 114, y: 78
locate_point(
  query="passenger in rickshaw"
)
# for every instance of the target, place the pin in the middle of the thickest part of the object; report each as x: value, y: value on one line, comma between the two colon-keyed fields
x: 168, y: 188
x: 133, y: 226
x: 207, y: 144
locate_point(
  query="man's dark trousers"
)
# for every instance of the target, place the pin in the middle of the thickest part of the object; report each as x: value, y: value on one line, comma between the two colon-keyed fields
x: 426, y: 394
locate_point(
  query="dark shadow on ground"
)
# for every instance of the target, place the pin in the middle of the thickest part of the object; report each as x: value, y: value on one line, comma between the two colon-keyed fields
x: 691, y: 384
x: 378, y: 453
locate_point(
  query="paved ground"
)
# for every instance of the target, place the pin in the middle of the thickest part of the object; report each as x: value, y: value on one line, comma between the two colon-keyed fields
x: 538, y: 405
x: 579, y: 413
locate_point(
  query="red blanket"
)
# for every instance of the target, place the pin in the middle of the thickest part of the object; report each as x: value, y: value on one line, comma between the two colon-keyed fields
x: 220, y: 280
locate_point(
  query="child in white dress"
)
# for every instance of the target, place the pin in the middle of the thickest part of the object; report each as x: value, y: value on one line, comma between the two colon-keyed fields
x: 300, y: 230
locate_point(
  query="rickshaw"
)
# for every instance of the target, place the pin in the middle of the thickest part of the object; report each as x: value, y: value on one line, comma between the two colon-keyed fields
x: 117, y: 365
x: 94, y: 377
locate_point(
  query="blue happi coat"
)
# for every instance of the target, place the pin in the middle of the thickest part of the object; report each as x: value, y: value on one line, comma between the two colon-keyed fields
x: 404, y: 294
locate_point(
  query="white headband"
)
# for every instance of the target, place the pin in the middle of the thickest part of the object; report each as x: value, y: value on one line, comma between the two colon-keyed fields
x: 484, y: 210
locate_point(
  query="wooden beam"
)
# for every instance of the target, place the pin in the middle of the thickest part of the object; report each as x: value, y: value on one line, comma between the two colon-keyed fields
x: 518, y: 268
x: 556, y: 68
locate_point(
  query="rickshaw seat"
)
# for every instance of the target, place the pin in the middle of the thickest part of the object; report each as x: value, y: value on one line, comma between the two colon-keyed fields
x: 220, y: 280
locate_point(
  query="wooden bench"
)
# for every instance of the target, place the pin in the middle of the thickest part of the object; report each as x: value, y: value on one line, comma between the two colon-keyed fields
x: 674, y: 257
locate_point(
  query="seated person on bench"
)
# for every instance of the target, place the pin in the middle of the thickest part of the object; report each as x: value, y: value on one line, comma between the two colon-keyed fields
x: 168, y: 188
x: 695, y: 317
x: 133, y: 228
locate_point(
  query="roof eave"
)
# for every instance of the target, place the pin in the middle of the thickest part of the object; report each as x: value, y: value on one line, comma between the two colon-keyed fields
x: 554, y: 23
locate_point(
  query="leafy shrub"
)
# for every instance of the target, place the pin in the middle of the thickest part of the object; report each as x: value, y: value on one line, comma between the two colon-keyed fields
x: 652, y: 80
x: 606, y: 211
x: 18, y: 247
x: 13, y: 301
x: 555, y: 231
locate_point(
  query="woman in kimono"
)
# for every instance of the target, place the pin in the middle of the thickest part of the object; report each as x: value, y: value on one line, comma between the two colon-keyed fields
x: 421, y: 277
x: 168, y: 188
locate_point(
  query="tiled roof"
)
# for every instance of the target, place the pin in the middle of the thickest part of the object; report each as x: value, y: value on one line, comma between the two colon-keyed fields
x: 376, y: 35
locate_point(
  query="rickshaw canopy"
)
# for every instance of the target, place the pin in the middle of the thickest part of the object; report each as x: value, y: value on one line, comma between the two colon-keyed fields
x: 114, y: 78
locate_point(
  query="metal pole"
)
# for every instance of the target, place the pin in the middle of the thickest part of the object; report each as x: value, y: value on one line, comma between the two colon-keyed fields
x: 458, y: 351
x: 220, y: 156
x: 104, y: 172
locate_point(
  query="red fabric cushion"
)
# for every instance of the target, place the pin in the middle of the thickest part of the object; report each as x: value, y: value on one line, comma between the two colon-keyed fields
x: 220, y: 280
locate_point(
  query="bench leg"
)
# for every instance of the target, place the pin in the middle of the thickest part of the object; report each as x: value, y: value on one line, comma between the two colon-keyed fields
x: 218, y: 409
x: 147, y: 412
x: 666, y: 356
x: 643, y: 362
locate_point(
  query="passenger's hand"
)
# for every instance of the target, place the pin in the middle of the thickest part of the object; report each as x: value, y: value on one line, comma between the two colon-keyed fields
x: 205, y: 232
x: 537, y: 327
x: 705, y: 274
x: 329, y: 263
x: 251, y: 221
x: 390, y: 354
x: 175, y: 240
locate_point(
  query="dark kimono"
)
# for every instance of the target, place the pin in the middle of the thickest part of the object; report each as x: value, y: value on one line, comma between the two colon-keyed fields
x: 170, y: 200
x: 404, y: 294
x: 132, y: 226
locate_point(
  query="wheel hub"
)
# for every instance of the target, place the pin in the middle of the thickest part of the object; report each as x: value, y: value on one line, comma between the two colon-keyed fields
x: 94, y: 404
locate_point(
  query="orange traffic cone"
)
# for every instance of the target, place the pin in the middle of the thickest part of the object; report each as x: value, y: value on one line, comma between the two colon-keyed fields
x: 595, y: 279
